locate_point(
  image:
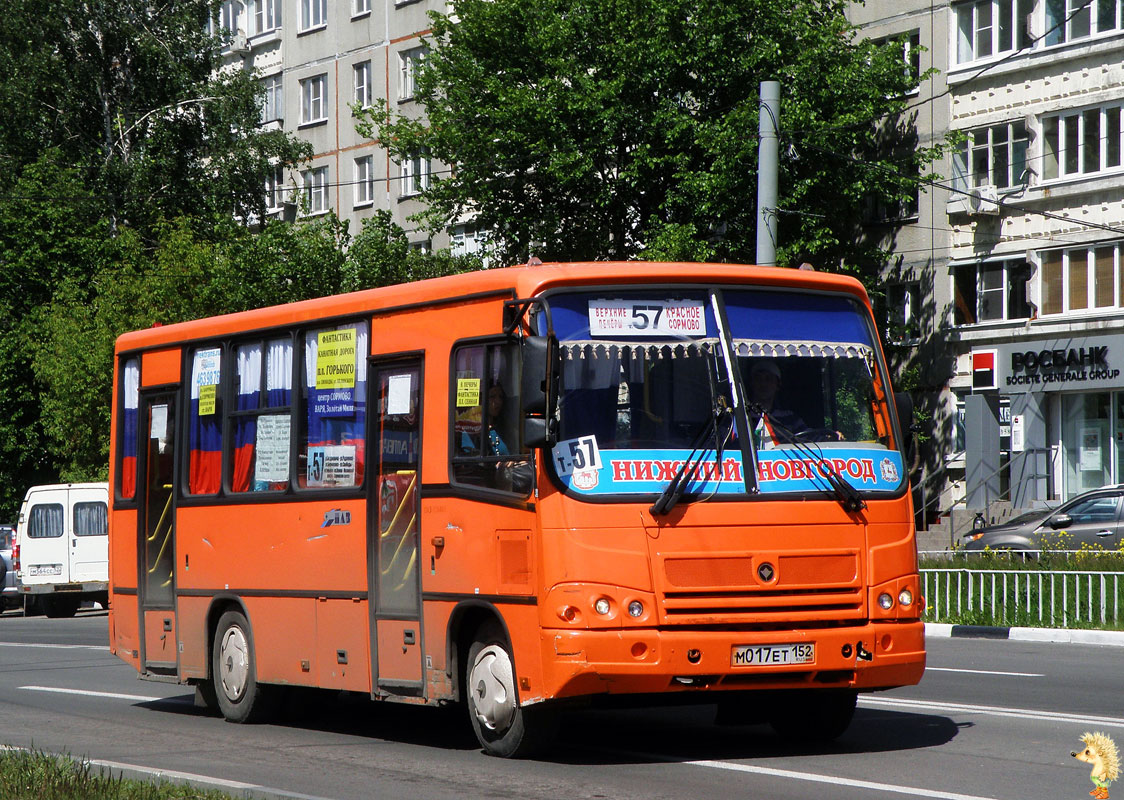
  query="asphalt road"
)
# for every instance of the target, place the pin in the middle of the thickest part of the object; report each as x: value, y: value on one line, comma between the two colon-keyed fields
x: 991, y: 719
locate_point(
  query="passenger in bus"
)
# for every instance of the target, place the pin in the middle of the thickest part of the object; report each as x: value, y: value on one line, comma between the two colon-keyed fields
x: 776, y: 424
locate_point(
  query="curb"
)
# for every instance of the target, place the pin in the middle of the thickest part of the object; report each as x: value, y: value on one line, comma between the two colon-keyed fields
x: 939, y: 630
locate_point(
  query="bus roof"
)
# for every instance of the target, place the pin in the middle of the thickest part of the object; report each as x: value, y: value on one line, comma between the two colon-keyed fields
x: 523, y: 281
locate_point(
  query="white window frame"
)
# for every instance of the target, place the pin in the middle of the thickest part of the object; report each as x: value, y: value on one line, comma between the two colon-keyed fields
x: 364, y: 181
x: 1056, y: 164
x: 1084, y: 19
x: 313, y: 15
x: 364, y: 91
x: 314, y: 190
x: 360, y: 7
x: 314, y: 92
x: 275, y: 191
x: 230, y: 15
x: 903, y: 310
x: 273, y: 98
x: 267, y: 16
x: 1005, y: 268
x: 416, y: 173
x: 978, y: 26
x: 408, y: 62
x: 995, y: 139
x: 1083, y: 258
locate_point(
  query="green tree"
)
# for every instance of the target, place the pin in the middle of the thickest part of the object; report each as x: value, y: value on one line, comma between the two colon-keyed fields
x: 622, y: 128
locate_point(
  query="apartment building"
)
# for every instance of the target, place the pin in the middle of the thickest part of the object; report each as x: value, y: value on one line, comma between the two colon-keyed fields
x: 318, y: 59
x: 1026, y: 225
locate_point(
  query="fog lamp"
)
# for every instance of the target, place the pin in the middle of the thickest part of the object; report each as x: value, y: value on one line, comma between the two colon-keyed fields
x: 905, y: 597
x: 885, y: 601
x: 601, y: 606
x: 635, y: 608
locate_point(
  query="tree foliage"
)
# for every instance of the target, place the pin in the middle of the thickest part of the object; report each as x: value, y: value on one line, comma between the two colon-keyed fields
x: 622, y: 128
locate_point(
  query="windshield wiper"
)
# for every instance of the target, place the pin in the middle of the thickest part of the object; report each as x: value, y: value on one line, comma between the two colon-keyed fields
x: 847, y: 495
x: 687, y: 471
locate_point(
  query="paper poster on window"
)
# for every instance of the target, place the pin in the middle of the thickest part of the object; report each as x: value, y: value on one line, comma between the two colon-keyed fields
x: 335, y: 374
x: 207, y: 397
x: 271, y: 449
x: 1090, y: 450
x: 398, y: 394
x: 468, y: 392
x: 335, y: 359
x: 331, y: 465
x: 158, y: 422
x: 207, y: 367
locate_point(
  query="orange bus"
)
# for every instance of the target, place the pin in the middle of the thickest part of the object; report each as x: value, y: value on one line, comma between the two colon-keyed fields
x: 522, y: 489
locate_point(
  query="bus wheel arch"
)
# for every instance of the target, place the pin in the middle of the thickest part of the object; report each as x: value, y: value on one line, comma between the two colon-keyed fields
x: 503, y: 726
x: 233, y: 660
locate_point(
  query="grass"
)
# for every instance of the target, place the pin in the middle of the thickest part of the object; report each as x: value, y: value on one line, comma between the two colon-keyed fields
x: 30, y: 775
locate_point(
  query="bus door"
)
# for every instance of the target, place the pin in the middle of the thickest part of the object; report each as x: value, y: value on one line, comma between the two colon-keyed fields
x: 392, y: 526
x: 156, y: 546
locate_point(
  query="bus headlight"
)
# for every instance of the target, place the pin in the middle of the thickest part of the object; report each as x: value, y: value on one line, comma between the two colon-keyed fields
x: 635, y: 608
x: 886, y: 601
x: 905, y: 597
x: 602, y: 606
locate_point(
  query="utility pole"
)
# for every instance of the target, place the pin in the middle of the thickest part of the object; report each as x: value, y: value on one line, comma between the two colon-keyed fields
x: 767, y: 158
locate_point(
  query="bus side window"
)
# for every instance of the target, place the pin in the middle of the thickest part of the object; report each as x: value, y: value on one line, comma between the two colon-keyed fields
x: 330, y: 450
x: 262, y: 416
x: 486, y: 446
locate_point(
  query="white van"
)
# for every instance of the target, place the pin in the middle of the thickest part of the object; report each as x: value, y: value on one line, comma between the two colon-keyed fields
x: 63, y: 546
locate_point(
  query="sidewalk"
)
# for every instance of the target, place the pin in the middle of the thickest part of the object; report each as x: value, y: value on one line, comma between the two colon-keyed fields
x: 938, y: 630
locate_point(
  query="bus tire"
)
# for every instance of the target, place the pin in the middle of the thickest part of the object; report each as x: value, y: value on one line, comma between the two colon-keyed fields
x: 234, y: 671
x: 502, y: 726
x: 813, y: 716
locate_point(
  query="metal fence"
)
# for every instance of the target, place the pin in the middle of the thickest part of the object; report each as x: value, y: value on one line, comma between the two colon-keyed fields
x: 1023, y: 597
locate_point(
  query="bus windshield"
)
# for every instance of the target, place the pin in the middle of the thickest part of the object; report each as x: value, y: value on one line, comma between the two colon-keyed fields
x: 645, y: 382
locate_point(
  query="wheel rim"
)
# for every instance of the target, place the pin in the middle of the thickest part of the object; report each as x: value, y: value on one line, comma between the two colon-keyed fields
x: 492, y: 684
x: 234, y: 662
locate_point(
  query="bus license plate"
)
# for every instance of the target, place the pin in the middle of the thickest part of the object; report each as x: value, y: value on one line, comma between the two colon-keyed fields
x: 760, y: 655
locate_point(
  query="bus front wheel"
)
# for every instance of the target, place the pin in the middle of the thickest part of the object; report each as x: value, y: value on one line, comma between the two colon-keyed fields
x: 234, y: 670
x: 502, y: 726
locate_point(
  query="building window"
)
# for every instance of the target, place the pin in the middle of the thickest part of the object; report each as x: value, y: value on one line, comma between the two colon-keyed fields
x: 364, y: 181
x: 1082, y: 142
x: 991, y: 291
x: 994, y: 156
x: 1069, y: 20
x: 271, y: 101
x: 275, y: 189
x: 415, y: 174
x: 314, y: 14
x: 1080, y: 279
x: 363, y: 96
x: 988, y: 28
x: 267, y: 15
x: 315, y: 185
x: 313, y: 92
x: 903, y: 312
x: 359, y: 7
x: 230, y: 15
x: 408, y: 63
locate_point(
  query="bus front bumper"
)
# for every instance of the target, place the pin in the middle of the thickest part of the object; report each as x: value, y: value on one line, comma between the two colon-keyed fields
x: 876, y: 655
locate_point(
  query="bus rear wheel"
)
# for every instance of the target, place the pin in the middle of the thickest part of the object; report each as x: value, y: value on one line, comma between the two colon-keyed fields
x: 234, y: 671
x: 502, y: 726
x: 813, y: 716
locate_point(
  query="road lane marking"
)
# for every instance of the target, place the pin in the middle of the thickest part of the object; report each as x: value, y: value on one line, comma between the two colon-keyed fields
x: 57, y: 646
x: 140, y: 698
x: 836, y: 781
x: 988, y: 672
x: 993, y: 711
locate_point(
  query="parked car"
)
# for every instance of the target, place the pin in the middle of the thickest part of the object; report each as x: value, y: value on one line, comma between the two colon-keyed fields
x: 9, y: 586
x: 1092, y: 519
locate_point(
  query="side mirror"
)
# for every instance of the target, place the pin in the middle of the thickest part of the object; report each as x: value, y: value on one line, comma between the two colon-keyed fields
x: 1061, y: 521
x: 904, y: 404
x: 539, y: 368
